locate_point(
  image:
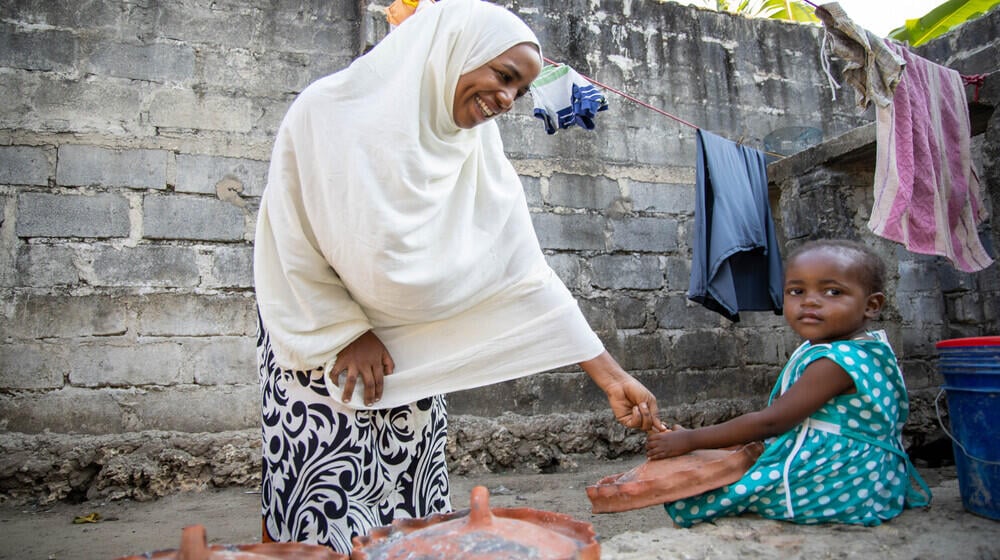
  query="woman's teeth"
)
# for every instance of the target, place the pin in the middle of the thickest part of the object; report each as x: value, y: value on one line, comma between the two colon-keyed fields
x: 485, y: 109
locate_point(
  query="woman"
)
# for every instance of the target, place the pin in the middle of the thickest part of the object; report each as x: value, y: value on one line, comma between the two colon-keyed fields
x: 395, y: 261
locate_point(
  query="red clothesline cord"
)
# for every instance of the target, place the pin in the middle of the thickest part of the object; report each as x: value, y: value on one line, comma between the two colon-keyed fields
x: 627, y: 96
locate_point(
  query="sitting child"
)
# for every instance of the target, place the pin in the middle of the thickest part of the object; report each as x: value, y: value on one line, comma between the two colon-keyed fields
x: 835, y: 416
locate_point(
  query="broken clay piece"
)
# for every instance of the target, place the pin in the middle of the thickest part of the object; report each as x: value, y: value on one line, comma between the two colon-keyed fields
x: 481, y: 533
x: 669, y: 480
x: 194, y: 546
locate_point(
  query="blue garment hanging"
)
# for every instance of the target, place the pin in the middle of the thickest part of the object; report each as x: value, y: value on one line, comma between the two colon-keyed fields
x: 736, y: 262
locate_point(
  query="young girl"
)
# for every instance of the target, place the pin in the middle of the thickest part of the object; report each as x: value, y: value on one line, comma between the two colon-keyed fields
x: 835, y: 416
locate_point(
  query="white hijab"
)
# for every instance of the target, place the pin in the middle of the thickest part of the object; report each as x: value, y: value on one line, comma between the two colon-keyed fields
x: 381, y: 213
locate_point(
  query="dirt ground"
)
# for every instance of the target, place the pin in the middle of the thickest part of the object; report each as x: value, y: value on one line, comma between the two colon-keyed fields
x: 945, y: 530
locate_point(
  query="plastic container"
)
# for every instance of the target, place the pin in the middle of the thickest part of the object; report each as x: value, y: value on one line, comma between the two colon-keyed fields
x: 971, y: 370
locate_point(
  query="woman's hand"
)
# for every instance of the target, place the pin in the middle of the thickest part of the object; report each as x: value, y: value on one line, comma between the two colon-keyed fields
x: 671, y: 443
x: 368, y: 358
x: 631, y: 402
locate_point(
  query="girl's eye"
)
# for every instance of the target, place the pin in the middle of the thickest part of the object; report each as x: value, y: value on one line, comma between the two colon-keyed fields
x: 832, y: 292
x: 794, y: 291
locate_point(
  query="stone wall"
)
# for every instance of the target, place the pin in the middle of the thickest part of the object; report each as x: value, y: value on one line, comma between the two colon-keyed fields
x: 133, y: 152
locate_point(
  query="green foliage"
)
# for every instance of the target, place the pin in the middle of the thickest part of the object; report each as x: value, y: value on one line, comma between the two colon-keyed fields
x: 940, y: 20
x: 791, y: 10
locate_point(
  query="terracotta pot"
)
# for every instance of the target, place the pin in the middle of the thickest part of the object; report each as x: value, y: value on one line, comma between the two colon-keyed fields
x: 669, y: 480
x: 194, y: 546
x: 482, y: 534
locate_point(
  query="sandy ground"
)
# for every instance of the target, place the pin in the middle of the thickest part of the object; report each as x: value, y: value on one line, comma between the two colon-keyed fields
x: 945, y: 530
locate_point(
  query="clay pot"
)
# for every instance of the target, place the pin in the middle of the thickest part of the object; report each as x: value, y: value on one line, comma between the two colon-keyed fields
x: 482, y: 534
x: 194, y: 546
x: 669, y: 480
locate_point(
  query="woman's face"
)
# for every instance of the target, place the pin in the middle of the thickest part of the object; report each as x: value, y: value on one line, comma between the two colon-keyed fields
x: 491, y: 89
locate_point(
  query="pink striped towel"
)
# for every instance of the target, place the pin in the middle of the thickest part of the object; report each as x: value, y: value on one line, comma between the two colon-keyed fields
x: 926, y: 191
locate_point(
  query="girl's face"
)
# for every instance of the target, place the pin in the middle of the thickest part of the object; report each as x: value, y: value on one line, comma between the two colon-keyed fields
x: 825, y: 299
x: 491, y: 89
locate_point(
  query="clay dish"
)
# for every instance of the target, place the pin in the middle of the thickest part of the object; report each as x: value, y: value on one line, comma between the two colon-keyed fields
x: 194, y: 546
x: 669, y: 480
x: 480, y: 533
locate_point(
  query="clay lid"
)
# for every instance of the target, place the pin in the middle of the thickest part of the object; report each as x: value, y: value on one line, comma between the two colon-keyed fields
x: 194, y: 546
x: 669, y: 480
x: 482, y: 534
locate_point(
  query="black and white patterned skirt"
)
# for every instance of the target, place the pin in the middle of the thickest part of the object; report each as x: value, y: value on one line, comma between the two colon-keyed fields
x: 330, y: 473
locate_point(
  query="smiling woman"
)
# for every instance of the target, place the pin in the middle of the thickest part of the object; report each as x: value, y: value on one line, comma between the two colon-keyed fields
x: 395, y: 262
x: 491, y: 89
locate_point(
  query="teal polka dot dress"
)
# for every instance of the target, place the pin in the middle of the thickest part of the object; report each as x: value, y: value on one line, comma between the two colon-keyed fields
x: 843, y: 464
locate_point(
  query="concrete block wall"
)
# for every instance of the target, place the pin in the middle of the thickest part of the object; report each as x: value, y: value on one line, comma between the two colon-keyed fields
x: 134, y: 149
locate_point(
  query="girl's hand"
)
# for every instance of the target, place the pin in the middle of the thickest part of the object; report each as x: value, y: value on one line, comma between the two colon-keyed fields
x: 672, y: 443
x: 368, y: 358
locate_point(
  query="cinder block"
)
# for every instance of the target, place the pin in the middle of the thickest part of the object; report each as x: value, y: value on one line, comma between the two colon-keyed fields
x: 26, y: 165
x: 51, y: 103
x: 200, y: 174
x: 662, y: 198
x: 147, y: 266
x: 39, y: 50
x: 190, y: 110
x: 196, y: 408
x: 656, y: 235
x: 705, y: 350
x: 229, y: 360
x: 72, y: 215
x: 532, y: 191
x: 46, y: 266
x: 642, y: 351
x: 625, y: 272
x: 568, y: 268
x: 677, y: 312
x: 196, y: 315
x: 129, y: 364
x: 93, y: 412
x: 580, y: 232
x: 33, y: 365
x: 92, y: 165
x: 156, y: 62
x: 64, y: 316
x: 598, y: 313
x: 232, y: 267
x: 206, y: 219
x: 630, y: 312
x: 582, y: 191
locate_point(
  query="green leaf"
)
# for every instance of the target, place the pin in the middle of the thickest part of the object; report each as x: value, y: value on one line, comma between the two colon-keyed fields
x: 940, y: 20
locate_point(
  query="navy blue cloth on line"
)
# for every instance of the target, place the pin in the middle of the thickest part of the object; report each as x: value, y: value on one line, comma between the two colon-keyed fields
x: 736, y: 262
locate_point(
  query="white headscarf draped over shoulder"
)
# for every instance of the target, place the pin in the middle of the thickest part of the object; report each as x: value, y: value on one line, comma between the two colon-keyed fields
x: 381, y: 213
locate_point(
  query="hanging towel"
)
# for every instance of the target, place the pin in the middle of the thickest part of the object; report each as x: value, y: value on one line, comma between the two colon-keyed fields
x: 563, y: 98
x: 926, y: 191
x: 736, y: 263
x: 870, y: 66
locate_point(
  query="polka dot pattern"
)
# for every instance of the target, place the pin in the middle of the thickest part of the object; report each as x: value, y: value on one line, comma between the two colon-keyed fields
x: 844, y: 478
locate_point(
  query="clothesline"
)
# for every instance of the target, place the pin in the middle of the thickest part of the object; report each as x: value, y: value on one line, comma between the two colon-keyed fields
x: 643, y: 103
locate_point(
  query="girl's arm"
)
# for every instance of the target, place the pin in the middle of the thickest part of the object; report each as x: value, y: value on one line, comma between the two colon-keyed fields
x: 821, y: 381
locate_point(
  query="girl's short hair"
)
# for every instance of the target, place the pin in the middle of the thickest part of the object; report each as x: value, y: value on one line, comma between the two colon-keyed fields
x: 868, y: 263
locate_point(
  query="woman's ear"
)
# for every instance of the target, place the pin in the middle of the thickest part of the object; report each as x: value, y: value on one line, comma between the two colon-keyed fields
x: 874, y: 305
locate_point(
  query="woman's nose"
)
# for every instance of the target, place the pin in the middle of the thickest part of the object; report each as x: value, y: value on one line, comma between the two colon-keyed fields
x: 505, y: 99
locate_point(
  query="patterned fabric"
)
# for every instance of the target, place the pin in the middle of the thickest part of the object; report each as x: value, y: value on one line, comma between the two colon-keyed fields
x: 844, y: 464
x: 563, y: 98
x: 330, y: 473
